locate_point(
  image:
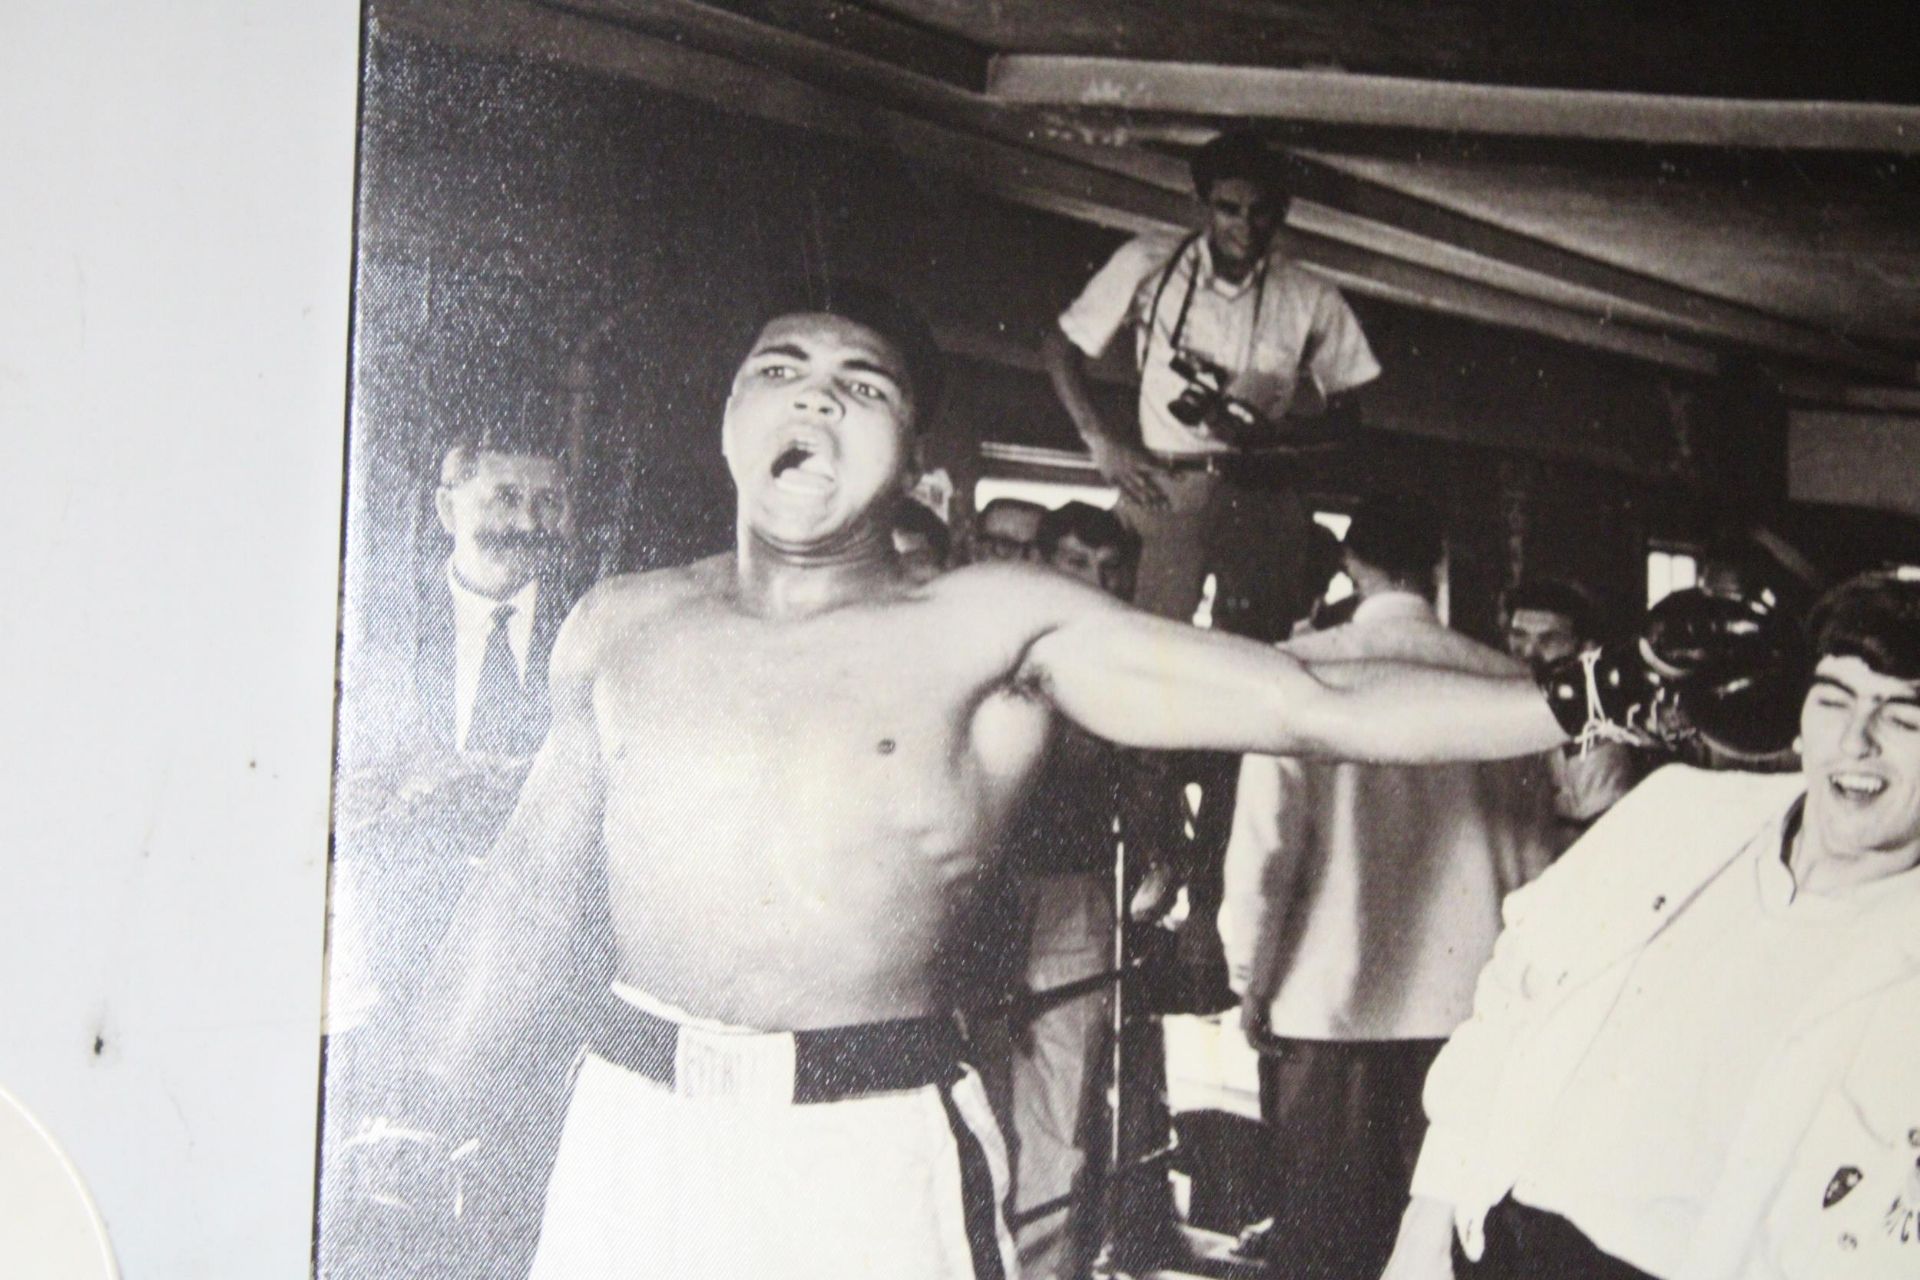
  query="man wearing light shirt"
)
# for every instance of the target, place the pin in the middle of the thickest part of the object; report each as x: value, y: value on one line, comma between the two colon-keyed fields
x: 483, y: 645
x: 1695, y: 1054
x: 1360, y: 901
x: 1209, y: 473
x: 409, y: 831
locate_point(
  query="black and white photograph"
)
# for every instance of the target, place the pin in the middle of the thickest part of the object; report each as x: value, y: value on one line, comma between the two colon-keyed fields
x: 1110, y: 640
x: 1058, y: 640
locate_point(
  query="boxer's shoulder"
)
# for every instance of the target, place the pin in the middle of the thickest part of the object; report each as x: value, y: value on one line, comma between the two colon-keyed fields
x: 1023, y: 590
x: 616, y: 607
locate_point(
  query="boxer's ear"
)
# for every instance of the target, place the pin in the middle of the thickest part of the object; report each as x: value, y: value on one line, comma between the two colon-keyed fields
x: 443, y: 507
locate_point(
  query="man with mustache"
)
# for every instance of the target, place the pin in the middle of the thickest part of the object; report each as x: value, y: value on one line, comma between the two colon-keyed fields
x: 774, y: 782
x: 410, y: 828
x: 485, y: 638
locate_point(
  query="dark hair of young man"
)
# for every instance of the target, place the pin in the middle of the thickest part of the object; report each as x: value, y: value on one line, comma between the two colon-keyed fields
x: 1082, y: 520
x: 1239, y: 155
x: 1875, y: 618
x: 1400, y: 536
x: 1551, y: 595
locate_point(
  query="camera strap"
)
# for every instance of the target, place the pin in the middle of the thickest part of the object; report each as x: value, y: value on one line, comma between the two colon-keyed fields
x: 1186, y: 301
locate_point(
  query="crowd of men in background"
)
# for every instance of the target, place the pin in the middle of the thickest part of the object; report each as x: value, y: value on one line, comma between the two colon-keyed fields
x: 1358, y: 905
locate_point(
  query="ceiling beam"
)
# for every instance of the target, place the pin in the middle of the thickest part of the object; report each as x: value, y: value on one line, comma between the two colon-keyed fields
x: 851, y: 60
x: 1439, y: 106
x: 1364, y: 214
x: 1372, y: 275
x: 872, y: 34
x: 1023, y: 175
x: 1322, y: 180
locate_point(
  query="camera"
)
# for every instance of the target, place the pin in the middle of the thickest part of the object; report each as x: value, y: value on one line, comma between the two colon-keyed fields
x: 1205, y: 402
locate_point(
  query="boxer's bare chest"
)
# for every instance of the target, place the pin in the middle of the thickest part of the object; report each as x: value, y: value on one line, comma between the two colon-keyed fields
x: 812, y: 798
x: 892, y: 721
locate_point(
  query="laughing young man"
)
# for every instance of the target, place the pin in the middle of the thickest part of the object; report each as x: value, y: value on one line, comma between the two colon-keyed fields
x: 772, y: 782
x: 1695, y: 1054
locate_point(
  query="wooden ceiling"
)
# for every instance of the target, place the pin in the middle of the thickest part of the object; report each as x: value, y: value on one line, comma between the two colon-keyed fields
x: 1726, y: 183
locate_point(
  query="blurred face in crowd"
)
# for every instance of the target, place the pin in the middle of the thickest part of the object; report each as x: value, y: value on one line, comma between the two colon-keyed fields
x: 1241, y: 219
x: 1102, y: 567
x: 506, y: 520
x: 1541, y: 638
x: 1005, y: 533
x: 1860, y: 753
x: 918, y: 555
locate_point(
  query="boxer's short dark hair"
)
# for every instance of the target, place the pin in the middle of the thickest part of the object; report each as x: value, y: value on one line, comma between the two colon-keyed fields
x: 873, y: 308
x: 1093, y: 526
x: 1874, y: 617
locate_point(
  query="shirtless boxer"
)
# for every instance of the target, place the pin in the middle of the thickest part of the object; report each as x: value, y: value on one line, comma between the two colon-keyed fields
x: 775, y: 778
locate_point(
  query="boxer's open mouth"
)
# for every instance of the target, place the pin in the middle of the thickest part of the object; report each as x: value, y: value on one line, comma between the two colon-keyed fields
x: 790, y: 457
x: 801, y: 465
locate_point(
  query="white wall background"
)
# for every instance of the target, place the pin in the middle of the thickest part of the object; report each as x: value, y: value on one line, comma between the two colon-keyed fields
x: 175, y: 204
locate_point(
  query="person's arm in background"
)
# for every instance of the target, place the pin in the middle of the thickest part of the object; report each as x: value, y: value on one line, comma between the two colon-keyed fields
x: 1122, y: 463
x: 1084, y: 331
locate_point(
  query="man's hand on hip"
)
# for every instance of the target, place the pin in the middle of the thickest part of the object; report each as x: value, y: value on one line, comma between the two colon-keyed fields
x: 1133, y: 471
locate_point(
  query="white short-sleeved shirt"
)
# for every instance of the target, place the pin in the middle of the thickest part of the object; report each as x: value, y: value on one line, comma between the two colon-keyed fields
x: 1263, y: 337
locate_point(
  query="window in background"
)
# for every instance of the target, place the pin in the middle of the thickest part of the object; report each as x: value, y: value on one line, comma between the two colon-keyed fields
x: 1670, y: 569
x: 1048, y: 493
x: 1336, y: 522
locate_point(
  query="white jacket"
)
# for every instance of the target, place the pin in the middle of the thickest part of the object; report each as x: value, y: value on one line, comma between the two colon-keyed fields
x: 1361, y: 900
x: 1821, y: 1181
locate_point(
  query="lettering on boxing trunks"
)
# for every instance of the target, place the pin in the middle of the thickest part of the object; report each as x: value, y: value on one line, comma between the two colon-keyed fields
x: 718, y: 1067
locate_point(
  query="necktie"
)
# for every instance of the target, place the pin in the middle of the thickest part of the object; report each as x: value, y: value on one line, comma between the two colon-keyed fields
x: 501, y: 723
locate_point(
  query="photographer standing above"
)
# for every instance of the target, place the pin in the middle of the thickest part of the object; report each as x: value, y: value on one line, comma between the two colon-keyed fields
x: 1234, y: 342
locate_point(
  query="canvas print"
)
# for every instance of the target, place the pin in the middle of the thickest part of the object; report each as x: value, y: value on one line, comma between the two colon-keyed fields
x: 1057, y: 639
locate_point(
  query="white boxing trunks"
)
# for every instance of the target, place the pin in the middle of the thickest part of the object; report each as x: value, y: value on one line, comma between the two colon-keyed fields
x: 693, y: 1149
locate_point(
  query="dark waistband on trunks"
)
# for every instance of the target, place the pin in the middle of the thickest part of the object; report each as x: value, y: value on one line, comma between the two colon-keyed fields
x: 826, y: 1064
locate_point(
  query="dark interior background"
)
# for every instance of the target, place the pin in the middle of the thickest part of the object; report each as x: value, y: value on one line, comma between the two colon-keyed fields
x: 544, y: 241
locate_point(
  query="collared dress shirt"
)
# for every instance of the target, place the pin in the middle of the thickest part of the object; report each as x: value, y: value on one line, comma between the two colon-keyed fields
x: 1710, y: 1072
x: 1642, y: 1131
x: 1262, y: 330
x: 472, y: 626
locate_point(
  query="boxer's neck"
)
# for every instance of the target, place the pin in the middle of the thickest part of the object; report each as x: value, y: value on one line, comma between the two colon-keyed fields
x: 783, y: 582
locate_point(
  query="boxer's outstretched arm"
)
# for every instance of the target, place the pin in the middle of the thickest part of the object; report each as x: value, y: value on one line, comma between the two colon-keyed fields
x: 529, y: 923
x: 1147, y: 682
